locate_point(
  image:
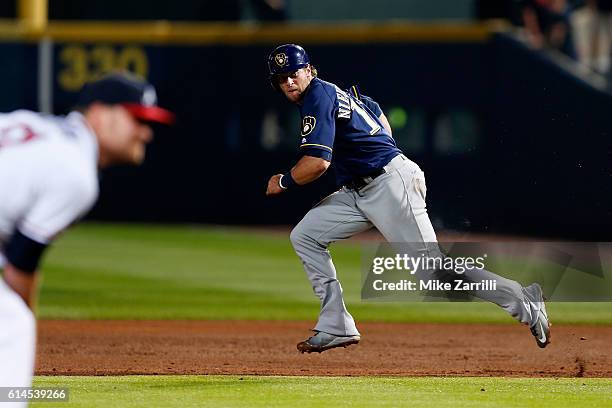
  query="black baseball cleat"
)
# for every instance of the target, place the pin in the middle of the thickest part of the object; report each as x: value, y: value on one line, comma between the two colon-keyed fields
x: 540, y: 325
x: 324, y: 341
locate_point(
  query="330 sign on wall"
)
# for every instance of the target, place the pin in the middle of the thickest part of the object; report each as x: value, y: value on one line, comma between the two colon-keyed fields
x: 79, y: 63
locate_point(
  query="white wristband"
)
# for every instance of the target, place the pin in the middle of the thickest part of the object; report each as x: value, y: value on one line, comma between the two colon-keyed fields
x: 280, y: 182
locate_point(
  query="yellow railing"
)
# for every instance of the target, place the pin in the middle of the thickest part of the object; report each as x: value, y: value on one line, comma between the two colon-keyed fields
x: 33, y: 25
x: 33, y: 14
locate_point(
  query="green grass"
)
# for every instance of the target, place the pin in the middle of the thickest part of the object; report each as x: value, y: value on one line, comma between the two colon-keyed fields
x: 248, y: 391
x: 111, y: 271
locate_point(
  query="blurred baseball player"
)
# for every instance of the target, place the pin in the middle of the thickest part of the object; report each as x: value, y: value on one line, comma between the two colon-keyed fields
x: 380, y: 187
x: 48, y: 179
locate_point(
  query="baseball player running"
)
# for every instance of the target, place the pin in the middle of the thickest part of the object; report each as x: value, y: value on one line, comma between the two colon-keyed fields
x: 380, y: 187
x: 48, y: 179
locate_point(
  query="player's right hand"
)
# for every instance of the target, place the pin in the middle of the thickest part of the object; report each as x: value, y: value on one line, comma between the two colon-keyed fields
x: 274, y: 187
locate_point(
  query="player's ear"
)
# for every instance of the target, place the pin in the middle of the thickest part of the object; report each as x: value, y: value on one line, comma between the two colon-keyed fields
x: 91, y: 113
x: 97, y: 108
x: 308, y: 70
x: 313, y: 71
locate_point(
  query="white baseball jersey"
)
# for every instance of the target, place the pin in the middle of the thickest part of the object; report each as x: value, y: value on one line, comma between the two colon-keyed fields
x: 48, y: 174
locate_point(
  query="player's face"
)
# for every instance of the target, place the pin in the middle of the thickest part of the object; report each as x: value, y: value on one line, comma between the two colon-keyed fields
x: 122, y: 138
x: 295, y: 83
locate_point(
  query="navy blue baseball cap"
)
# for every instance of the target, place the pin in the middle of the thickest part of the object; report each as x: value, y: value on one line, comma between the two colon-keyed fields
x: 126, y: 89
x: 287, y: 58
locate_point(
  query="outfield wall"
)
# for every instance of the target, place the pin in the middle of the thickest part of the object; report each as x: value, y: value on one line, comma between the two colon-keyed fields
x: 510, y: 141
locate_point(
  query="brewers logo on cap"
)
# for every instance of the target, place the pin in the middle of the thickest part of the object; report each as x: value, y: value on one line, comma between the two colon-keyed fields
x: 280, y: 59
x: 308, y: 125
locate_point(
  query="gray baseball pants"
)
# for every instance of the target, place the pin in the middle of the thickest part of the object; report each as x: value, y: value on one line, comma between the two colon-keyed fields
x: 395, y: 203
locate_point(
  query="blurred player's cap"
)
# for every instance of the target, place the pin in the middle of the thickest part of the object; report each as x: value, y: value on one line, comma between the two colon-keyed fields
x: 135, y: 94
x: 287, y: 58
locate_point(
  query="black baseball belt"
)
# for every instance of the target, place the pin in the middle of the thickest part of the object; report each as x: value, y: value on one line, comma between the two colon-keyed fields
x: 357, y: 183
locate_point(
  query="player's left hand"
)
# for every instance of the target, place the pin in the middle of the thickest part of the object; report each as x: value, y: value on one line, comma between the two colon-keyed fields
x: 273, y: 187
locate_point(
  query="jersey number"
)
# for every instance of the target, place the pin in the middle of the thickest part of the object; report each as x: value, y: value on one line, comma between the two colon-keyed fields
x: 366, y: 116
x: 16, y: 135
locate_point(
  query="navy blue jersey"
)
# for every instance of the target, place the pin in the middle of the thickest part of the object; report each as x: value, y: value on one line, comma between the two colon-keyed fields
x: 335, y: 124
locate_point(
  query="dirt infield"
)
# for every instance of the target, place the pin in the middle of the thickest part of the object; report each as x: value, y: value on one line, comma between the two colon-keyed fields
x: 218, y: 347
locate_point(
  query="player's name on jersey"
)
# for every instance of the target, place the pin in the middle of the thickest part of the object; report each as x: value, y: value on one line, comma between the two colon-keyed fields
x: 434, y: 285
x: 344, y: 104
